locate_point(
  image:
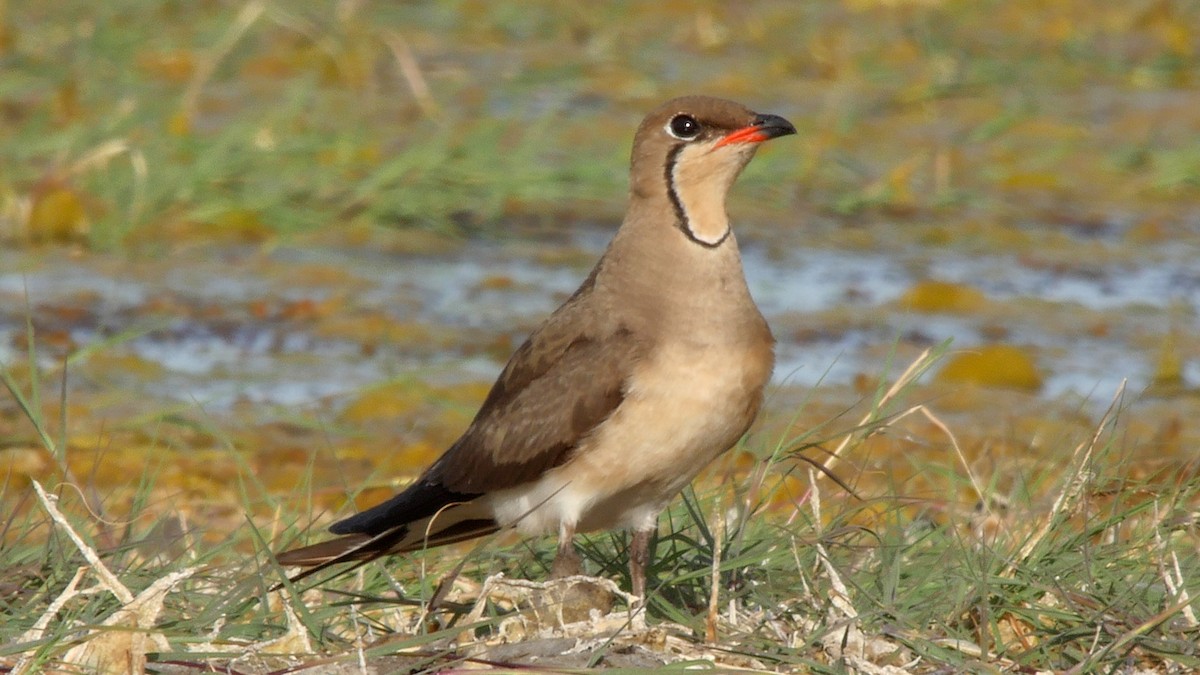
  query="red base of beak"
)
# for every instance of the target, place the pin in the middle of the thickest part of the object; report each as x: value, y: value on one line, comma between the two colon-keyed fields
x: 765, y: 128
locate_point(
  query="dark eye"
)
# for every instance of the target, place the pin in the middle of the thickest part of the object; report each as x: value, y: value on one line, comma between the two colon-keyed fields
x: 684, y: 127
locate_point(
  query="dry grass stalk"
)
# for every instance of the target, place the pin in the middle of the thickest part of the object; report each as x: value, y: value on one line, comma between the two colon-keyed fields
x: 105, y: 575
x: 411, y: 71
x: 245, y: 18
x: 1073, y: 487
x: 118, y: 649
x: 864, y: 427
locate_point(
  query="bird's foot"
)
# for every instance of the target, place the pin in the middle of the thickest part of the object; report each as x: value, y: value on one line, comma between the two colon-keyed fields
x: 567, y: 561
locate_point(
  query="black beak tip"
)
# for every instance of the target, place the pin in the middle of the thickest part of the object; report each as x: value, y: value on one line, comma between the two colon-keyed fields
x: 774, y: 125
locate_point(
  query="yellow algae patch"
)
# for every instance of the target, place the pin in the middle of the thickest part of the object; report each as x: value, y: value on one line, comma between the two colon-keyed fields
x: 1168, y: 368
x: 374, y: 496
x: 172, y: 66
x: 997, y: 365
x: 23, y: 461
x: 436, y: 415
x: 405, y: 398
x: 238, y: 225
x: 387, y: 402
x: 179, y: 124
x: 995, y: 235
x: 496, y: 282
x: 1149, y: 231
x: 931, y: 296
x: 57, y: 215
x: 1041, y: 180
x: 233, y: 226
x: 372, y: 329
x: 789, y: 492
x: 390, y: 460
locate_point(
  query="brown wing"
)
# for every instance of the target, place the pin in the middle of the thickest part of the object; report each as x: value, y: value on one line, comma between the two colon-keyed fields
x: 565, y: 380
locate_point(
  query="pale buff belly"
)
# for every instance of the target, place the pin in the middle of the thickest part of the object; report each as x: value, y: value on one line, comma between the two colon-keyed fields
x: 683, y: 409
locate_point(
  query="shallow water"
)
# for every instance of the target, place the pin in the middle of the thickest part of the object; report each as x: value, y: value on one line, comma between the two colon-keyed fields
x: 835, y: 313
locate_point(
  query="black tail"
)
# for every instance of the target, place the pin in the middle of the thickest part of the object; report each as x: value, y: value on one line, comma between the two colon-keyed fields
x: 419, y: 500
x: 422, y: 516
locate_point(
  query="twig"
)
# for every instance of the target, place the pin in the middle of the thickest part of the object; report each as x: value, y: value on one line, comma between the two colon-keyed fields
x: 105, y: 575
x: 38, y: 629
x: 411, y: 71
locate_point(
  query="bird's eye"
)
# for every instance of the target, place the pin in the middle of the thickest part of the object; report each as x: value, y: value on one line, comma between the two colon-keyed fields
x: 684, y: 127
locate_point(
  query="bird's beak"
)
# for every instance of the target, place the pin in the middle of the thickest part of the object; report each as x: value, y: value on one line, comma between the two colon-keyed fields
x: 764, y: 128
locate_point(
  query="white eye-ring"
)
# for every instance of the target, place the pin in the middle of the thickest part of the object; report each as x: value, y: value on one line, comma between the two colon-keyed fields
x: 684, y: 127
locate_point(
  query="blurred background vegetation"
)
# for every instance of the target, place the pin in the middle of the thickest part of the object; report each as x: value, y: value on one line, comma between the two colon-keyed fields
x: 143, y: 124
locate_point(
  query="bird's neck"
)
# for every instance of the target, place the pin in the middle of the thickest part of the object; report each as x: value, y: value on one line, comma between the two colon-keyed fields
x: 699, y: 215
x: 674, y: 277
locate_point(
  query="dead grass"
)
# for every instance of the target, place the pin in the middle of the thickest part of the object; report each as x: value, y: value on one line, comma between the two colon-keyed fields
x: 1089, y: 570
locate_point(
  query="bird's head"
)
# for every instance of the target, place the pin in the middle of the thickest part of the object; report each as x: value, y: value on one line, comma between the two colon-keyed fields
x: 690, y: 150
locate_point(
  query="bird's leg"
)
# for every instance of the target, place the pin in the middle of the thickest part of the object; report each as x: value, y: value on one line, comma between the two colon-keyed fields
x: 567, y: 562
x: 639, y: 562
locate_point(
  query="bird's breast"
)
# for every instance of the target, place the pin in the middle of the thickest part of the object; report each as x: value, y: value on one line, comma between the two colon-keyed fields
x: 684, y: 405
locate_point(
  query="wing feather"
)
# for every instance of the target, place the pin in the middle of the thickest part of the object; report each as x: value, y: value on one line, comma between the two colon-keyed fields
x: 561, y: 384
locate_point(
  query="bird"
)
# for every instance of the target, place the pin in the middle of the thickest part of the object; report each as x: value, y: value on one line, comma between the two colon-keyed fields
x: 654, y: 367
